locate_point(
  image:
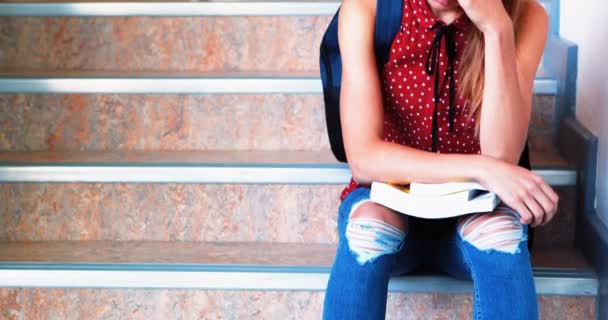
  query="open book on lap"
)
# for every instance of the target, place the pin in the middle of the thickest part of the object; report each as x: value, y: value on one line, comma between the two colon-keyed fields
x: 434, y: 201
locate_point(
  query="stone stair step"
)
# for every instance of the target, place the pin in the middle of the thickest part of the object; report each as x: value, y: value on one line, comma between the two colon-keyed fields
x: 158, y: 82
x: 197, y: 212
x: 236, y: 111
x: 187, y: 122
x: 173, y: 8
x: 229, y: 167
x: 214, y: 196
x: 289, y: 266
x: 163, y: 122
x: 177, y: 8
x: 215, y: 43
x: 232, y: 255
x: 162, y: 280
x: 174, y: 35
x: 185, y: 212
x: 161, y: 304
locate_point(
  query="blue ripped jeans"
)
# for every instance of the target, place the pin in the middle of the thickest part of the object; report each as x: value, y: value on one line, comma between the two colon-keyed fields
x: 358, y: 285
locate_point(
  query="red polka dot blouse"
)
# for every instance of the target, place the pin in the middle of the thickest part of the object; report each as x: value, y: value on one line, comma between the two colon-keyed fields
x: 421, y: 77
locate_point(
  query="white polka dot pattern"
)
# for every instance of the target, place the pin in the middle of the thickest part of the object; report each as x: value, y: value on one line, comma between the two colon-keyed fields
x: 408, y: 89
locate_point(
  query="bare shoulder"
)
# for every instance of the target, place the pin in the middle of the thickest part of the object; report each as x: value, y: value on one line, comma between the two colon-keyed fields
x: 364, y: 11
x: 533, y: 15
x: 367, y: 7
x: 356, y: 30
x: 533, y: 29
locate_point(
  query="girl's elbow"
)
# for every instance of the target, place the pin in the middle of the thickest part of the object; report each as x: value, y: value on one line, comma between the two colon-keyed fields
x: 360, y: 170
x: 363, y: 161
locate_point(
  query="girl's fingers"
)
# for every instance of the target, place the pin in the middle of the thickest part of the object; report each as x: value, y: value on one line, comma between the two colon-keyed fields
x: 525, y: 216
x: 553, y: 198
x: 549, y: 192
x: 535, y: 209
x: 547, y: 205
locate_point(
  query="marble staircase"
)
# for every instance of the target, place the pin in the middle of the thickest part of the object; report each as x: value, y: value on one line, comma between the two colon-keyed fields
x: 169, y: 160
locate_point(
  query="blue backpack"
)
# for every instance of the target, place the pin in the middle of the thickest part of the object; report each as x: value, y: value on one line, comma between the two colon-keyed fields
x: 388, y: 21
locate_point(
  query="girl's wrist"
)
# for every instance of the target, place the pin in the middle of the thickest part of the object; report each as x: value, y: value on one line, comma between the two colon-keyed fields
x: 479, y: 167
x: 498, y: 29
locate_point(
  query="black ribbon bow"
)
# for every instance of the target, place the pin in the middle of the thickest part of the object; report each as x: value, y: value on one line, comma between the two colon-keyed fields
x: 442, y: 32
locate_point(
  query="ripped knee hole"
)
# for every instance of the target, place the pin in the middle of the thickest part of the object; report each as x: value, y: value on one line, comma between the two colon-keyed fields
x: 370, y: 238
x: 499, y: 231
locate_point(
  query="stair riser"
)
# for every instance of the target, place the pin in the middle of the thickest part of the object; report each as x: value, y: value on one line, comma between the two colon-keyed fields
x: 201, y: 304
x: 274, y: 43
x: 186, y: 122
x: 159, y: 122
x: 277, y: 213
x: 162, y: 122
x: 560, y: 231
x: 212, y: 43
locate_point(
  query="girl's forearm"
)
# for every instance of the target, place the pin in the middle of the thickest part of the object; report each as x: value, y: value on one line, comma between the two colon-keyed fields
x: 504, y: 115
x: 391, y: 162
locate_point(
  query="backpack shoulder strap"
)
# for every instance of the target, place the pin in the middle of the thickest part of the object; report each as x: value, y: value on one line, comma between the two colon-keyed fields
x: 388, y: 21
x: 330, y: 64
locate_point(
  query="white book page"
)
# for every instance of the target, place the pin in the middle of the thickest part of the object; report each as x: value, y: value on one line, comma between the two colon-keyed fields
x: 417, y: 188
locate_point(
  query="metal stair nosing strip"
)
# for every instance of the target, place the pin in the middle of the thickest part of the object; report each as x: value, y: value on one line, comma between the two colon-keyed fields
x: 163, y: 9
x: 230, y: 277
x: 207, y: 173
x: 185, y: 85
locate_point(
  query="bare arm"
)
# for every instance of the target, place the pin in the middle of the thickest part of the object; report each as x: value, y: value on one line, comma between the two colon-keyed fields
x: 509, y: 81
x: 507, y: 103
x: 362, y: 116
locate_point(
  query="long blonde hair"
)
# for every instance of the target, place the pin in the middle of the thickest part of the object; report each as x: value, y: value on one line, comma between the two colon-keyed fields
x: 472, y: 69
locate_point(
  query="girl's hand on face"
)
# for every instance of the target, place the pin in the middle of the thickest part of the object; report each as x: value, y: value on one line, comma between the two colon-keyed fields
x: 487, y: 15
x: 521, y: 189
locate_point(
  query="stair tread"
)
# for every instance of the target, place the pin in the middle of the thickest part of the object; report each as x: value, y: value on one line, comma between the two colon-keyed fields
x: 323, y: 158
x: 57, y: 81
x: 172, y: 158
x: 39, y: 73
x: 185, y: 74
x: 217, y: 253
x: 171, y: 1
x: 29, y: 73
x: 185, y: 1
